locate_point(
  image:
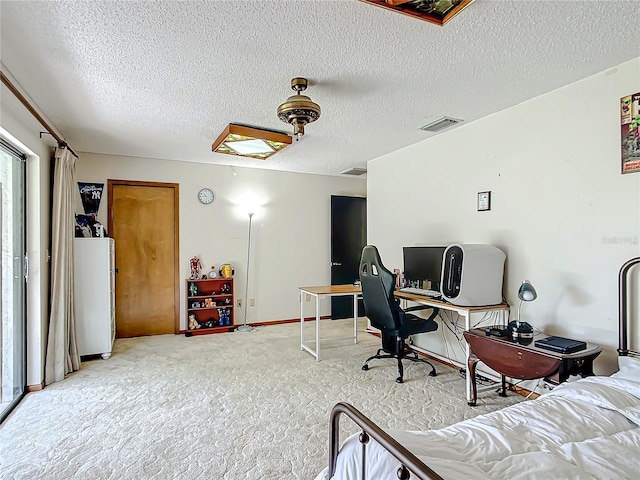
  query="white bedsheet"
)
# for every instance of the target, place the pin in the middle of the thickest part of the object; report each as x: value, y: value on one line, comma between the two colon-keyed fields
x: 587, y: 429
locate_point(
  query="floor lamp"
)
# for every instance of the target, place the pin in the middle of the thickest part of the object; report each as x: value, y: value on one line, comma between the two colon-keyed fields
x: 245, y: 327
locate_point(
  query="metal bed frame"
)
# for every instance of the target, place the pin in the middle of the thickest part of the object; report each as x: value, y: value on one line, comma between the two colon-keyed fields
x: 410, y: 465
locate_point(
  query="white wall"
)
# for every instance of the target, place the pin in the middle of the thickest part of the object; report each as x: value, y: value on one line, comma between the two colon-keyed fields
x: 290, y: 239
x: 20, y: 128
x: 560, y: 209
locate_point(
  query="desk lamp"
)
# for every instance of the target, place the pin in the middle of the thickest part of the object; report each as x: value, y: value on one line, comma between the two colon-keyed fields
x: 522, y: 332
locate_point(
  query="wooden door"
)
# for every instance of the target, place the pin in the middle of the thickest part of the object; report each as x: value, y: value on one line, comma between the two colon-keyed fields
x: 348, y: 238
x: 143, y: 220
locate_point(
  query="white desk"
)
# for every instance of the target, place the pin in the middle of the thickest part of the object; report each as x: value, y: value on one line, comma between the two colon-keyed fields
x: 321, y: 292
x: 465, y: 312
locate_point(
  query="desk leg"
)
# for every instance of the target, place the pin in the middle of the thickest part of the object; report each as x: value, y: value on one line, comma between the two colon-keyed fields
x: 472, y: 362
x: 317, y: 328
x: 355, y: 318
x: 301, y: 319
x: 469, y: 383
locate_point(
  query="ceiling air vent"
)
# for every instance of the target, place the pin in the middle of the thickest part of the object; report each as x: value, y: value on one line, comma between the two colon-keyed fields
x: 440, y: 124
x: 354, y: 171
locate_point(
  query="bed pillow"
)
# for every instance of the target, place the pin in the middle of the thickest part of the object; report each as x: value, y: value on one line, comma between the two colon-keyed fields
x: 629, y: 368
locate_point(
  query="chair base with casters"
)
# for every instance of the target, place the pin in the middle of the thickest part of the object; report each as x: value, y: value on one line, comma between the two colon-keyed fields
x: 394, y: 347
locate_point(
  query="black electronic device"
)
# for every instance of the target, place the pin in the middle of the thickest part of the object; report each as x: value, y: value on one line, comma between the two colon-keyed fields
x: 423, y: 264
x: 521, y: 332
x: 560, y: 344
x: 496, y: 331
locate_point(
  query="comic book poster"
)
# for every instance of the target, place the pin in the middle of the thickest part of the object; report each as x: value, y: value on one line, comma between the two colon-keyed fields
x: 630, y: 123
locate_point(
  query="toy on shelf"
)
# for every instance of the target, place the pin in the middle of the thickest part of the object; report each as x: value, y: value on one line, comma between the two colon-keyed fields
x: 223, y: 313
x: 227, y: 270
x: 225, y: 288
x: 193, y: 289
x: 193, y: 323
x: 196, y: 266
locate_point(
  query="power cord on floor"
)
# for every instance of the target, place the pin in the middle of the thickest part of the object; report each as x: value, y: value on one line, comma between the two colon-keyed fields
x: 480, y: 379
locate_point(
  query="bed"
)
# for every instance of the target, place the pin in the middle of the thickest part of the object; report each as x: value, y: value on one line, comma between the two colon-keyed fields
x: 585, y: 429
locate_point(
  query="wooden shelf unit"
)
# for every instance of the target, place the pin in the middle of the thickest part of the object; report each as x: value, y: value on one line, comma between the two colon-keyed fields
x: 207, y: 301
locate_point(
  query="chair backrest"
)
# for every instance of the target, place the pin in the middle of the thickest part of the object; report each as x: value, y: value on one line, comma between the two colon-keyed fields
x: 378, y: 285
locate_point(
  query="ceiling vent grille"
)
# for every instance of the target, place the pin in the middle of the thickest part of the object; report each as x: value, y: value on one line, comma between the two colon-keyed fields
x: 440, y: 124
x: 355, y: 171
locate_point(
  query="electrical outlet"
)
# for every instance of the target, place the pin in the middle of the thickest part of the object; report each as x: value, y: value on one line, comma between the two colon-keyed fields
x: 252, y: 302
x: 239, y: 302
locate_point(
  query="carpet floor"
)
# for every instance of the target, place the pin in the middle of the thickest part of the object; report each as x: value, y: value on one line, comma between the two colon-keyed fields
x: 225, y: 406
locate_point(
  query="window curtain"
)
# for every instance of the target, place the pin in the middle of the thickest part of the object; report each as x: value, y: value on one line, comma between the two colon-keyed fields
x: 62, y: 352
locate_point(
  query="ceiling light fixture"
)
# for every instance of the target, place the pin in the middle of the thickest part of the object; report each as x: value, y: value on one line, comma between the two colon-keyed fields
x: 298, y: 110
x: 251, y: 142
x: 433, y: 11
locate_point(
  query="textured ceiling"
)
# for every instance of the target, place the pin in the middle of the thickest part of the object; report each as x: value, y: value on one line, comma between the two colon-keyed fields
x: 161, y: 79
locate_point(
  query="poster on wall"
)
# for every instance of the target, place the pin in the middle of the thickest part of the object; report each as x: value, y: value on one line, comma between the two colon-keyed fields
x: 630, y: 123
x: 91, y: 194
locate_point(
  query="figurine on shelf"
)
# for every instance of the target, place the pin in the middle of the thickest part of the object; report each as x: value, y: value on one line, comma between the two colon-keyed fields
x: 193, y: 289
x: 227, y: 270
x: 223, y: 314
x: 193, y: 323
x: 226, y: 288
x: 196, y: 266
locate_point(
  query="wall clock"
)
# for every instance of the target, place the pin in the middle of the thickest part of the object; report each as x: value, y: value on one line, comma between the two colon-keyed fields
x: 206, y: 196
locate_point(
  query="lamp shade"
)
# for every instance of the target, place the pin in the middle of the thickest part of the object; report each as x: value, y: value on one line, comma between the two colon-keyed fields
x: 527, y: 293
x: 521, y: 331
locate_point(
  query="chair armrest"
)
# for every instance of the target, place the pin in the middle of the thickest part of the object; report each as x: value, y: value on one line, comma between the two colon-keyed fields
x: 419, y: 307
x: 433, y: 315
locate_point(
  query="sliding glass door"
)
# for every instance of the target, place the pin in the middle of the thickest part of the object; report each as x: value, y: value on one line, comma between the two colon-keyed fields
x: 12, y: 278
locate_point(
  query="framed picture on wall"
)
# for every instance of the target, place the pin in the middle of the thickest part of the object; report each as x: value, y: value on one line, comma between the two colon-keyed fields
x: 630, y: 130
x: 484, y: 201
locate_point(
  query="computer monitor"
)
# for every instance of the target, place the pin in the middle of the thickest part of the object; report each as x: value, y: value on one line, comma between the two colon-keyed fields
x: 423, y: 266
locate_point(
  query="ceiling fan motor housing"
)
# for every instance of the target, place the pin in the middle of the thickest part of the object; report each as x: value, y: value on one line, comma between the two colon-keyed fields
x: 298, y: 110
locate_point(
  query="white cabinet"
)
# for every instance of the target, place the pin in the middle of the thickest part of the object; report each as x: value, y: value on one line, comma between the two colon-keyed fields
x: 94, y: 295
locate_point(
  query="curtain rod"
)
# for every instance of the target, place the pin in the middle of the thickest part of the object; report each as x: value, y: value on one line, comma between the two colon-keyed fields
x: 27, y: 105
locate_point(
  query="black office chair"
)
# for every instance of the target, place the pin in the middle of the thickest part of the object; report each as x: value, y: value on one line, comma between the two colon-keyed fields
x: 384, y: 311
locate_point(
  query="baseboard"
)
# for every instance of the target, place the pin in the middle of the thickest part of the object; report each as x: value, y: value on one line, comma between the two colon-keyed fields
x: 274, y: 322
x: 35, y: 388
x: 288, y: 320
